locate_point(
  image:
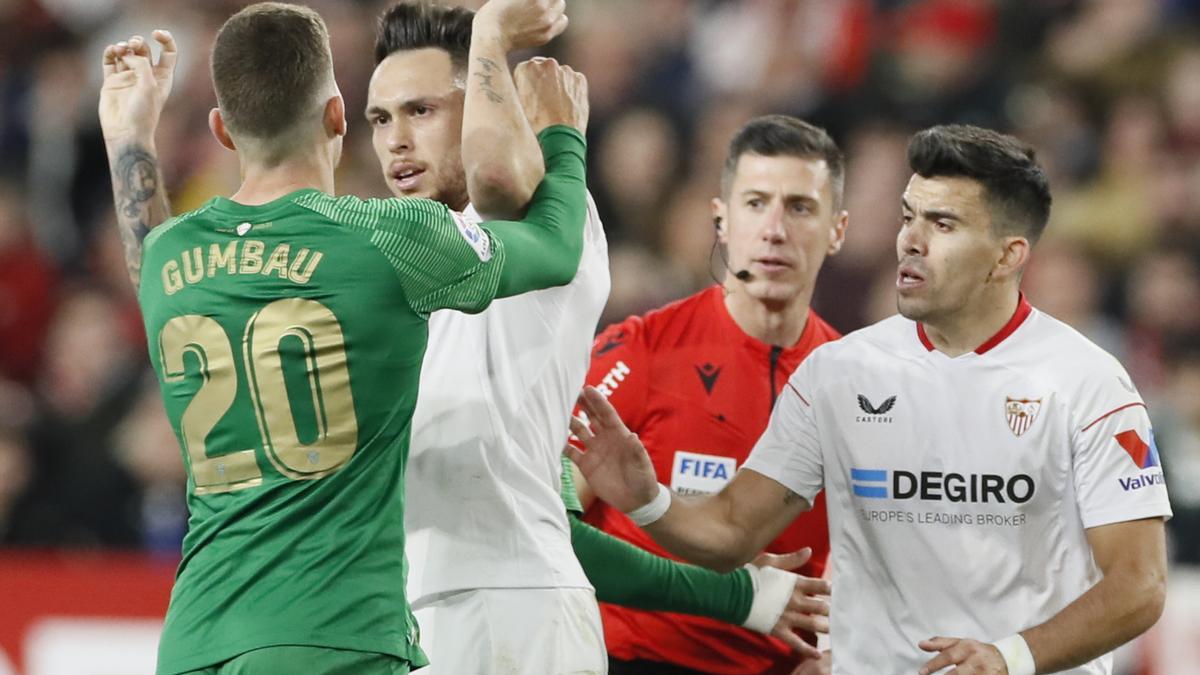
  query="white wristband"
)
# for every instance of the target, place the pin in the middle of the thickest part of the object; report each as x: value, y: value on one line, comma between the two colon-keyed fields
x: 657, y: 508
x: 1016, y: 655
x: 772, y: 590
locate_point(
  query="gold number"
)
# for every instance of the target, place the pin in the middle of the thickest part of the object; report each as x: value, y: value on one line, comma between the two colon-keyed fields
x: 328, y: 377
x: 204, y: 338
x: 328, y: 381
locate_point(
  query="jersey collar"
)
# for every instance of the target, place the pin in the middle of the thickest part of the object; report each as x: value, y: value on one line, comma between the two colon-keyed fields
x: 1018, y: 318
x: 803, y: 345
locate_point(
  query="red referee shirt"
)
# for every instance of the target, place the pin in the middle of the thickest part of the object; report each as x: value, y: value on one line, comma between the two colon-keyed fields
x: 698, y: 391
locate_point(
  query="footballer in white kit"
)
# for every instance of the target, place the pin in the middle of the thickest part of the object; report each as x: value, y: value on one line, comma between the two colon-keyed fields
x: 501, y: 578
x: 994, y: 491
x: 496, y: 391
x: 963, y: 486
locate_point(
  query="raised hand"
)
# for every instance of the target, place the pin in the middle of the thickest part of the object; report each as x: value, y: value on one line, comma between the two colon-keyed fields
x: 135, y: 89
x: 551, y: 94
x: 522, y: 24
x: 615, y: 462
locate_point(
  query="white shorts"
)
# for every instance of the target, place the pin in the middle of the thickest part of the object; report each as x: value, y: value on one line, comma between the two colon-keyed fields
x: 513, y: 631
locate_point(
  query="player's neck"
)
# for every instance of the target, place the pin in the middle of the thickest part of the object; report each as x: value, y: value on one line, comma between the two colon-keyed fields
x: 261, y: 185
x: 979, y: 321
x: 780, y: 325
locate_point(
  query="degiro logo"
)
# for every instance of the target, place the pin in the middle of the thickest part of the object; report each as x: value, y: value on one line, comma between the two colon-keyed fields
x: 936, y: 486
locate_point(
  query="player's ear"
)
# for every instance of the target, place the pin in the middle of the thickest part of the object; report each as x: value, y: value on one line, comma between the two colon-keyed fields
x: 334, y: 118
x: 1013, y: 257
x: 838, y: 236
x: 216, y: 124
x: 720, y: 213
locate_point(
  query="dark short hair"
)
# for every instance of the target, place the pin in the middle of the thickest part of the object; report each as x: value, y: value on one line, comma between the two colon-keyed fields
x: 269, y: 63
x: 786, y: 136
x: 1014, y: 184
x: 418, y: 25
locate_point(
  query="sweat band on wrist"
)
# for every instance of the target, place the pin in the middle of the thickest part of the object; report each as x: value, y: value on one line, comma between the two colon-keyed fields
x: 657, y: 508
x: 772, y: 590
x: 1016, y: 655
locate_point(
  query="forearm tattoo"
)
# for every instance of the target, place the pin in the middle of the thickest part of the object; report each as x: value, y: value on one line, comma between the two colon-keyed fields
x: 139, y: 200
x: 489, y: 70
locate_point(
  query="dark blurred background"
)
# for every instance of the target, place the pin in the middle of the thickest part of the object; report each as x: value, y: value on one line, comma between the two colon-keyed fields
x: 1107, y: 90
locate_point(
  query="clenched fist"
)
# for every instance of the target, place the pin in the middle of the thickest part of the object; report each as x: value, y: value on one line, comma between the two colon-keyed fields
x: 551, y: 94
x: 135, y: 89
x: 522, y: 24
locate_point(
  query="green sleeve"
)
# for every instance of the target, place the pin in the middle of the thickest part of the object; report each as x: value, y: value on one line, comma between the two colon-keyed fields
x: 570, y: 495
x: 441, y: 259
x: 543, y: 249
x: 625, y: 575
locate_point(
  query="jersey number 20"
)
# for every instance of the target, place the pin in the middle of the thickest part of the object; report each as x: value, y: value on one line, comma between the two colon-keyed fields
x: 328, y: 380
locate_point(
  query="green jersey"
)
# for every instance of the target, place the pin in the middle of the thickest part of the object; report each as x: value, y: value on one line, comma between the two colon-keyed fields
x: 288, y: 340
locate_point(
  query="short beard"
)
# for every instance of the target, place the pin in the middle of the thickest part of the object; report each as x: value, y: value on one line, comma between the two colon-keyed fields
x: 917, y: 314
x: 453, y: 192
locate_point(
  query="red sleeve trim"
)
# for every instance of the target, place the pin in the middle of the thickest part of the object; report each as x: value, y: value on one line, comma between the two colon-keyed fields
x: 797, y: 392
x: 1110, y: 413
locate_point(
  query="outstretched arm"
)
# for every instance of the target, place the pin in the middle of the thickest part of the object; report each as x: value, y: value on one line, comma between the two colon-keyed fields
x: 501, y: 157
x: 762, y: 597
x: 131, y: 101
x: 721, y: 531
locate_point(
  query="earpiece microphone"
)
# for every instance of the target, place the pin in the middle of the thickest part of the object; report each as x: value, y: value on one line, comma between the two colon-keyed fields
x: 741, y: 275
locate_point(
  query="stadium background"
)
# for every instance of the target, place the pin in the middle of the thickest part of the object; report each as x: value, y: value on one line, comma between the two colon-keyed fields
x: 91, y: 482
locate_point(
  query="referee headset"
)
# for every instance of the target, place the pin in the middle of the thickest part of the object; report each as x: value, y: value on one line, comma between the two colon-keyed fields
x: 742, y: 275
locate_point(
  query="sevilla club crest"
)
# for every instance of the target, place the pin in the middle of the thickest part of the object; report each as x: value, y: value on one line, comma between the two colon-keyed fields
x: 1021, y: 413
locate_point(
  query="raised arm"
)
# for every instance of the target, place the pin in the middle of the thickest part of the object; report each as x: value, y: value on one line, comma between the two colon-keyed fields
x: 131, y: 100
x: 500, y: 152
x: 721, y: 531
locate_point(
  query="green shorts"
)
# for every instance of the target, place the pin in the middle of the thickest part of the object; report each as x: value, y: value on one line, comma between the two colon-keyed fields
x: 293, y: 659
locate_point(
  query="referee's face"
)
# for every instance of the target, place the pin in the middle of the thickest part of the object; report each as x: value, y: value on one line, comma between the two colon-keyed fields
x: 779, y: 222
x: 947, y: 251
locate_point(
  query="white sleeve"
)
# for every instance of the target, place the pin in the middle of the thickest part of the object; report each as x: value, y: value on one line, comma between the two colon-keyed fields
x: 1118, y: 475
x: 789, y: 451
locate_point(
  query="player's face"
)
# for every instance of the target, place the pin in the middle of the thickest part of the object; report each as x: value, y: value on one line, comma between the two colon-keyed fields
x: 415, y: 110
x: 946, y: 248
x: 779, y: 224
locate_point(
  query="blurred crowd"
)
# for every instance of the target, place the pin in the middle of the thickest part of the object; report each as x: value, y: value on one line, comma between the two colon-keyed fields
x: 1108, y: 91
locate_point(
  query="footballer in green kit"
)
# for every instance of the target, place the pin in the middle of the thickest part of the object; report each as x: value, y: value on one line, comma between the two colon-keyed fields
x: 287, y: 329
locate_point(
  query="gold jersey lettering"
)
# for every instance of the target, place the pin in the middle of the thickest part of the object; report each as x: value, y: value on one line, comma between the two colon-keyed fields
x: 171, y: 278
x: 218, y: 258
x: 193, y: 265
x: 252, y: 252
x: 294, y: 273
x: 278, y: 262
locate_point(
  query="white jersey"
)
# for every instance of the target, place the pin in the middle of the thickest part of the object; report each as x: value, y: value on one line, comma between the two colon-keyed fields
x: 959, y: 489
x: 497, y: 388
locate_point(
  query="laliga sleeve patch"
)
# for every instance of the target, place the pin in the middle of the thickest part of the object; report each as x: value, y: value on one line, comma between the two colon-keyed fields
x: 475, y: 236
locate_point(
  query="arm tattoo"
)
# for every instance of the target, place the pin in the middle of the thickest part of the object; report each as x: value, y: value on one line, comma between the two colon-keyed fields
x: 485, y: 78
x: 139, y: 199
x: 792, y: 498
